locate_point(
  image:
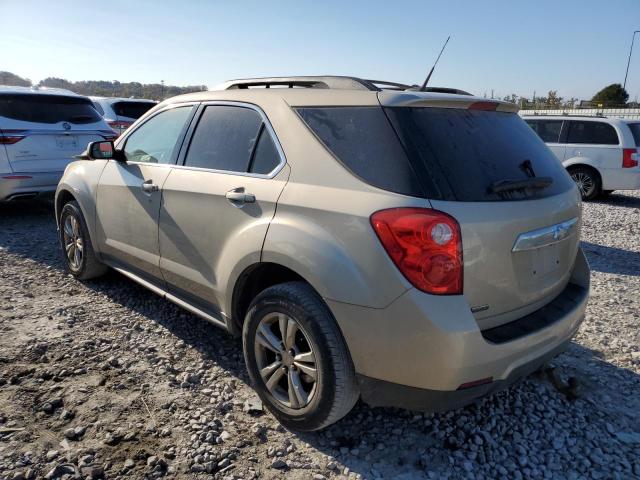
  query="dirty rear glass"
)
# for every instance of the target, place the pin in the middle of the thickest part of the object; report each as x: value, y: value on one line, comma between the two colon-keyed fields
x: 438, y: 153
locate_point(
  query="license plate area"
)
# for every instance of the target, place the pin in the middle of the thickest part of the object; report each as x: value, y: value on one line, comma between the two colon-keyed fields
x: 66, y: 142
x: 544, y: 261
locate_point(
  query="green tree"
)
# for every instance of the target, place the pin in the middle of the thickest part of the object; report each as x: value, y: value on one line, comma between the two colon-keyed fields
x: 553, y: 100
x: 8, y: 78
x: 612, y: 95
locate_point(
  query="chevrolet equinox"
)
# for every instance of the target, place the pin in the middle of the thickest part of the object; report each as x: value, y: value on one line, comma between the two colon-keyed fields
x: 411, y: 247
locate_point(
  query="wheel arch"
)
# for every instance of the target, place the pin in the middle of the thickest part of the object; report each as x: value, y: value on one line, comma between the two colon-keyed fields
x: 253, y: 280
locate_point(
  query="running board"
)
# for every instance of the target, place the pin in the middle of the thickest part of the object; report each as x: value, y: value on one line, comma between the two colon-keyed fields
x: 172, y: 298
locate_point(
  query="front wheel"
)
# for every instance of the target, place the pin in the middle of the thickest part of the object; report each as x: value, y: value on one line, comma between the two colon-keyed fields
x: 297, y: 359
x: 588, y: 182
x: 79, y: 256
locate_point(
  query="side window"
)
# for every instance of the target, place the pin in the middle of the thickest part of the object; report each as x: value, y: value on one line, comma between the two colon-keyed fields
x: 547, y: 130
x: 592, y: 132
x: 98, y: 107
x: 224, y: 138
x: 265, y: 157
x: 156, y: 139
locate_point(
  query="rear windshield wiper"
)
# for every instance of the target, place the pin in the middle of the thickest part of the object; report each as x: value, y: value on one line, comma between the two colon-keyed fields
x: 529, y: 183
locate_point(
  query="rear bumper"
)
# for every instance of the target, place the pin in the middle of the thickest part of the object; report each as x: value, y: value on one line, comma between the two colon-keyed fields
x: 433, y: 344
x: 34, y: 184
x: 379, y: 393
x: 620, y: 178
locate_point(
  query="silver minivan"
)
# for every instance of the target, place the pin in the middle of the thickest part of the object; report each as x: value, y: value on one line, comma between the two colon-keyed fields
x: 367, y: 240
x: 601, y: 154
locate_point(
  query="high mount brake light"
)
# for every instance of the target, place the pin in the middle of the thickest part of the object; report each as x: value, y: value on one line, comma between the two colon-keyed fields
x: 629, y: 158
x: 487, y: 106
x: 425, y: 245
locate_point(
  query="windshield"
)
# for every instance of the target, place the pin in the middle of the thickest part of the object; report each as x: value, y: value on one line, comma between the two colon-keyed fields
x: 635, y: 130
x: 40, y: 108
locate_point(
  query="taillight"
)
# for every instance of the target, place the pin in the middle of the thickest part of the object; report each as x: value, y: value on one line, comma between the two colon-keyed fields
x: 629, y: 158
x: 119, y: 125
x: 425, y: 245
x: 9, y: 137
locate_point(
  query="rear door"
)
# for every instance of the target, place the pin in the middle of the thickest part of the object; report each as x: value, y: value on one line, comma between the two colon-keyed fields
x: 217, y: 206
x: 48, y: 130
x: 595, y: 141
x: 519, y: 246
x: 549, y: 131
x: 129, y: 193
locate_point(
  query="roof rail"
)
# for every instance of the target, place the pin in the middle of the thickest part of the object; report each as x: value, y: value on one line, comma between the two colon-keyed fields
x: 333, y: 82
x: 586, y: 115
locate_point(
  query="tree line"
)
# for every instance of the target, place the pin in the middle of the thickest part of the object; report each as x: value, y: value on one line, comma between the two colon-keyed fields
x: 105, y: 88
x: 610, y: 96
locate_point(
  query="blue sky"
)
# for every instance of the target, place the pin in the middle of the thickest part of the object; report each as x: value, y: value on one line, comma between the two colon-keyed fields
x: 575, y: 47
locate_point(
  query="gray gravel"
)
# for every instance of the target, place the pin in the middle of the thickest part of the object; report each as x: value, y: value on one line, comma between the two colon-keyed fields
x: 106, y: 380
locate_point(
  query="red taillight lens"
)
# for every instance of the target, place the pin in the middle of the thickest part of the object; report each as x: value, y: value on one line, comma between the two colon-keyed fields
x: 629, y: 158
x: 119, y: 125
x: 9, y: 137
x: 425, y: 245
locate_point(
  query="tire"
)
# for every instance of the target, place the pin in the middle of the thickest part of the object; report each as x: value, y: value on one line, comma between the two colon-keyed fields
x: 588, y: 182
x: 333, y: 393
x: 80, y: 258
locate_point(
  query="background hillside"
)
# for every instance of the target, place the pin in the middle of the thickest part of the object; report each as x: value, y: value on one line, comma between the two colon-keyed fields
x: 105, y: 88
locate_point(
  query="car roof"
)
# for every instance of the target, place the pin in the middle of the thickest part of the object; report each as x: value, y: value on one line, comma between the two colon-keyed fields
x: 298, y: 97
x: 10, y: 89
x: 122, y: 99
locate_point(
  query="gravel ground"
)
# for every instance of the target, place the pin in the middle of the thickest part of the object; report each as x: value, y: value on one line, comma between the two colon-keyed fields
x: 106, y: 380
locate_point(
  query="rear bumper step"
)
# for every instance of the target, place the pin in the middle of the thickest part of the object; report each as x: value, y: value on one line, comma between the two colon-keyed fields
x: 546, y: 316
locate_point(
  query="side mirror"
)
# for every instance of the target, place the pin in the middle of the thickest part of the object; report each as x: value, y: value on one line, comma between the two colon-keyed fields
x: 103, y: 150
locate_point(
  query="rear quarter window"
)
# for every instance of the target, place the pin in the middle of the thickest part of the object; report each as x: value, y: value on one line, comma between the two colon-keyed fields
x: 635, y: 131
x: 362, y: 139
x: 596, y: 133
x: 48, y: 109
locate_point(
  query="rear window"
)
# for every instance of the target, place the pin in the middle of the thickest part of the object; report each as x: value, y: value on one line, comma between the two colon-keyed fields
x: 547, y: 130
x: 48, y: 109
x: 598, y: 133
x: 362, y: 139
x: 635, y: 131
x: 131, y: 109
x: 440, y: 153
x: 465, y: 152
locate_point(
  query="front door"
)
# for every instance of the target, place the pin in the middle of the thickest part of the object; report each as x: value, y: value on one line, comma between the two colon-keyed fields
x: 129, y: 193
x: 217, y: 206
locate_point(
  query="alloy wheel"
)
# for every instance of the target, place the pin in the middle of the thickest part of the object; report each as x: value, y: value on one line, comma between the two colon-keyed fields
x: 73, y: 242
x: 286, y: 360
x: 586, y: 183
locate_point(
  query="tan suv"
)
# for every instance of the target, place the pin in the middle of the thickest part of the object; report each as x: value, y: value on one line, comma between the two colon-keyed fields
x: 413, y: 248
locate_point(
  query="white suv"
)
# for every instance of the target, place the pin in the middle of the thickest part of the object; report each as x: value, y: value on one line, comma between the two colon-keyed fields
x: 600, y: 153
x: 120, y: 113
x: 41, y: 130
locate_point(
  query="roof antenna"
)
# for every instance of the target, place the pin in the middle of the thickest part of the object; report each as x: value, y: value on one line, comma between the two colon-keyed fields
x: 423, y: 88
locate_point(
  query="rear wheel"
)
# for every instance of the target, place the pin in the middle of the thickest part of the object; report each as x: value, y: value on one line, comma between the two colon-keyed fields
x: 297, y: 359
x: 588, y: 182
x: 79, y: 256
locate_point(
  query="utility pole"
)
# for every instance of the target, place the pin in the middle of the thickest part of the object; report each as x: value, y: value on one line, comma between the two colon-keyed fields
x: 633, y: 37
x: 161, y: 89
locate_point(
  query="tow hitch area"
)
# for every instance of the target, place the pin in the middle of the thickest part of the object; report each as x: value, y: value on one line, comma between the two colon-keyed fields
x: 569, y: 389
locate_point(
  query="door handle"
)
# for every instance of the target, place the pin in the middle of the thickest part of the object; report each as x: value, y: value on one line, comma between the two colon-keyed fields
x: 148, y: 186
x: 238, y: 197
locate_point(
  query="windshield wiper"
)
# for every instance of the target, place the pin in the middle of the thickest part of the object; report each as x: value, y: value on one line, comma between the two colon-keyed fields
x: 537, y: 183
